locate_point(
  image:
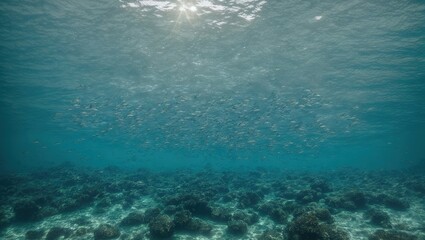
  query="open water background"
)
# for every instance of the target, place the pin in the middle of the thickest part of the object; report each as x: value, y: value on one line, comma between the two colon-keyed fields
x: 223, y: 84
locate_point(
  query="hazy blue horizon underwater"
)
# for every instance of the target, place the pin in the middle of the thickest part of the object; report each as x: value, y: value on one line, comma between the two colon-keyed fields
x: 158, y: 83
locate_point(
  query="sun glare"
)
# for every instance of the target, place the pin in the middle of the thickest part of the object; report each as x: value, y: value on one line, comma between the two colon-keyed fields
x: 184, y: 8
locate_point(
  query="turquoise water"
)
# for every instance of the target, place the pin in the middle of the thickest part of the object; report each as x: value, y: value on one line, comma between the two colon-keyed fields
x: 224, y: 84
x: 212, y: 119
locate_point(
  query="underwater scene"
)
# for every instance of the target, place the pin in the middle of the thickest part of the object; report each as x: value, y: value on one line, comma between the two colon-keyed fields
x: 212, y: 119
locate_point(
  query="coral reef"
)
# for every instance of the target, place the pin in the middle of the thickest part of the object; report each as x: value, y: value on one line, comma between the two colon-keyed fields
x: 378, y: 218
x: 69, y: 203
x: 309, y: 227
x: 106, y: 231
x: 391, y: 235
x: 161, y: 226
x: 237, y: 227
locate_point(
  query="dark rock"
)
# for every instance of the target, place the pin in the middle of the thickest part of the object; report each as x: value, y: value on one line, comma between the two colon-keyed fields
x: 11, y: 180
x: 191, y: 202
x: 220, y: 214
x: 43, y: 200
x: 182, y: 219
x: 237, y: 227
x: 227, y: 198
x: 279, y: 186
x: 416, y: 186
x: 34, y: 234
x: 249, y: 199
x: 307, y: 196
x: 289, y: 193
x: 356, y: 197
x: 161, y: 226
x: 248, y: 217
x: 151, y: 213
x: 127, y: 204
x: 278, y: 215
x: 133, y: 219
x: 324, y: 215
x: 127, y: 185
x: 57, y: 232
x: 271, y: 235
x: 82, y: 221
x: 199, y: 226
x: 66, y: 204
x: 106, y: 231
x: 336, y: 203
x: 391, y: 235
x: 81, y: 231
x: 396, y: 204
x: 335, y: 233
x: 266, y: 207
x: 321, y: 186
x: 290, y: 206
x: 302, y: 210
x: 4, y: 218
x: 26, y: 210
x: 378, y: 218
x: 30, y: 190
x: 172, y: 209
x: 47, y: 212
x: 199, y: 208
x: 308, y: 227
x: 275, y: 210
x: 104, y: 203
x: 139, y: 236
x: 88, y: 194
x: 351, y: 201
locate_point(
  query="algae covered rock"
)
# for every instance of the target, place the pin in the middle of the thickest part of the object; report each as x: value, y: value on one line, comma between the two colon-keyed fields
x: 150, y: 214
x: 194, y: 203
x: 133, y: 219
x: 249, y: 217
x: 391, y: 235
x: 182, y: 219
x: 237, y: 227
x: 321, y: 185
x: 161, y: 226
x: 351, y: 201
x: 220, y: 214
x: 378, y: 218
x: 275, y: 210
x: 249, y: 199
x: 271, y: 235
x: 309, y: 227
x: 199, y: 226
x: 396, y: 203
x: 58, y: 232
x: 323, y: 214
x: 307, y: 196
x: 4, y: 218
x: 106, y: 231
x: 26, y: 210
x: 34, y: 234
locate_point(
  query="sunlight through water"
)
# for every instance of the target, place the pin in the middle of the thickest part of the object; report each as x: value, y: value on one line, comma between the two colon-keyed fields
x: 223, y: 11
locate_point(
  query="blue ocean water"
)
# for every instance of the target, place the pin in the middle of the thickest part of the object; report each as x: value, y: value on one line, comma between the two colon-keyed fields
x: 225, y: 84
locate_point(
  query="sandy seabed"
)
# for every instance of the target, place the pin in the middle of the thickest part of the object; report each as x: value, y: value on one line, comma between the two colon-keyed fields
x: 65, y: 202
